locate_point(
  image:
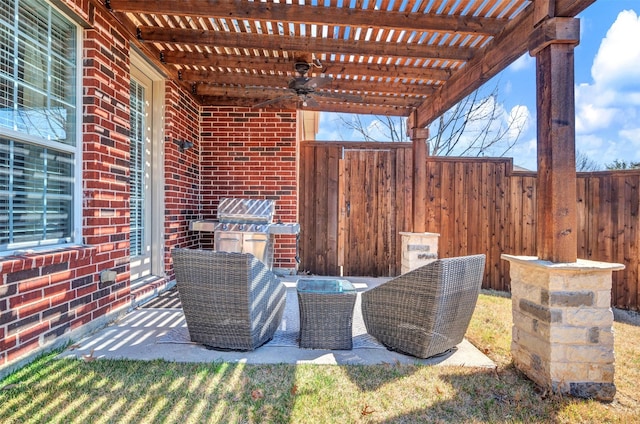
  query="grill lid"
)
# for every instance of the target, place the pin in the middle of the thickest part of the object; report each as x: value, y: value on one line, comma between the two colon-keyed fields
x: 238, y: 210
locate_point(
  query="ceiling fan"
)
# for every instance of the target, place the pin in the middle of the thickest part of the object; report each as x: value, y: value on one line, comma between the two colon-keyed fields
x: 303, y: 88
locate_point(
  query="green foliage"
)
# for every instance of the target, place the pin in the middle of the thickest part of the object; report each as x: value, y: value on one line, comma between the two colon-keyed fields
x: 622, y: 164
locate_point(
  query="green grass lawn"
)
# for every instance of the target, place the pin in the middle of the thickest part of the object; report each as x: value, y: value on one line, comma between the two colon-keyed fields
x: 103, y: 391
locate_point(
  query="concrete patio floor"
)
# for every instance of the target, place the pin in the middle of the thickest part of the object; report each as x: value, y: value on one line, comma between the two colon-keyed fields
x: 157, y: 330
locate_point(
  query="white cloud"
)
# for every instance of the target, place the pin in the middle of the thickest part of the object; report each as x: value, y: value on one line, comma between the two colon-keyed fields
x: 328, y: 128
x: 590, y: 144
x: 376, y: 130
x: 631, y: 136
x: 525, y: 154
x: 518, y: 121
x: 617, y: 63
x: 590, y: 117
x: 607, y: 109
x: 489, y: 128
x: 523, y: 62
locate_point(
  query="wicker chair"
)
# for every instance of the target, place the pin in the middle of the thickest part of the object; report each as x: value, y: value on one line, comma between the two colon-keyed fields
x: 231, y: 301
x: 425, y: 312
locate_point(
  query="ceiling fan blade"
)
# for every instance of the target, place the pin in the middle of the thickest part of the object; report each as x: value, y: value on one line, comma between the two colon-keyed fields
x: 339, y: 96
x: 309, y: 101
x: 317, y: 82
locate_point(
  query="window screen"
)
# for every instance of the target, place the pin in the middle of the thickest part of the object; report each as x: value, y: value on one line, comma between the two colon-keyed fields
x: 37, y: 124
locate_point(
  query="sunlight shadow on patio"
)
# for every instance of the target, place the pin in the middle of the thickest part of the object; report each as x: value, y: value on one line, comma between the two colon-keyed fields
x: 155, y: 331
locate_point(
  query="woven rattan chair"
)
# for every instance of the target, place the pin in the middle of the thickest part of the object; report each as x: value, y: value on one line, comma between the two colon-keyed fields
x: 231, y: 301
x: 425, y: 312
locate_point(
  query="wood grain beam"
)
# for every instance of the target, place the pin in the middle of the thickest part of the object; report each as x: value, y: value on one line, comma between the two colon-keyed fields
x: 360, y: 109
x: 280, y: 64
x: 295, y: 104
x: 518, y: 37
x: 556, y: 211
x: 273, y: 93
x: 282, y: 81
x: 243, y: 40
x: 419, y: 138
x: 313, y: 15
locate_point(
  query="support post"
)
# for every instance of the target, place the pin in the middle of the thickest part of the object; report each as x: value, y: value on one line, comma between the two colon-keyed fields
x: 556, y: 207
x: 419, y: 137
x: 562, y: 317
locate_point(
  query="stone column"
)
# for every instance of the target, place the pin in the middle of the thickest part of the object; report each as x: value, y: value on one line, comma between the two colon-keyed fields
x: 418, y: 249
x: 563, y: 325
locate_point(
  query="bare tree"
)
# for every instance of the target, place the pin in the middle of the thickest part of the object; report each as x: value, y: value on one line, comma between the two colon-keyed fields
x: 380, y: 128
x: 476, y: 126
x: 584, y: 163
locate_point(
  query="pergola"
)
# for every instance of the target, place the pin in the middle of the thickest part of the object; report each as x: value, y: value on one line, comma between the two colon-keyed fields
x: 412, y: 58
x: 416, y: 58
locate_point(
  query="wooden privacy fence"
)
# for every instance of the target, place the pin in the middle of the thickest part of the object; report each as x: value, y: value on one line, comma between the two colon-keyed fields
x: 477, y: 205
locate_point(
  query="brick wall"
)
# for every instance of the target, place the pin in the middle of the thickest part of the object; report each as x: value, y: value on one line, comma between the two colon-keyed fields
x: 105, y: 154
x: 181, y: 172
x: 46, y: 295
x: 251, y: 153
x: 236, y: 152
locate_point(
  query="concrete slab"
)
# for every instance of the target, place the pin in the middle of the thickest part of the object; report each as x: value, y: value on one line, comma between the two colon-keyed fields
x: 158, y: 333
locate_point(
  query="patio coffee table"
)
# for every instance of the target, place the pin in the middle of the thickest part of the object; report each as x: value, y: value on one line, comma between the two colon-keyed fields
x: 326, y: 313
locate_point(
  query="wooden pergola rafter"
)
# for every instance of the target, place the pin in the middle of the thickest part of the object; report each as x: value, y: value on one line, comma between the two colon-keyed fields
x: 431, y: 54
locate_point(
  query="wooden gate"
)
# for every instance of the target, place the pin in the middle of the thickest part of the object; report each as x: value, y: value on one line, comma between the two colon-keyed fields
x: 365, y: 226
x: 354, y: 199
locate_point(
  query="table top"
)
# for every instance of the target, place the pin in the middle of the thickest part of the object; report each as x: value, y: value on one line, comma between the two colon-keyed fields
x: 326, y: 286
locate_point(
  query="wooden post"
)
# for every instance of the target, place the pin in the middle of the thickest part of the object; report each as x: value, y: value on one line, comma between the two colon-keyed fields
x: 556, y: 207
x: 419, y: 138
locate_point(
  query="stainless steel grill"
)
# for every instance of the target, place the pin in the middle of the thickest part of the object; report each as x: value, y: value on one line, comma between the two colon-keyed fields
x: 242, y: 227
x: 246, y: 225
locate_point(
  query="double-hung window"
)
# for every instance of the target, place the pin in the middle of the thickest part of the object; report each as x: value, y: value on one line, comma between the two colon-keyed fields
x: 38, y: 125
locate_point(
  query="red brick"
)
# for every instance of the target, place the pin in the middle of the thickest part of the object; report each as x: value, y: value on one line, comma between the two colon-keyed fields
x: 24, y: 299
x: 8, y: 342
x: 21, y: 350
x: 32, y: 332
x: 61, y: 298
x: 85, y: 309
x: 84, y: 290
x: 57, y: 290
x: 80, y: 321
x: 33, y: 308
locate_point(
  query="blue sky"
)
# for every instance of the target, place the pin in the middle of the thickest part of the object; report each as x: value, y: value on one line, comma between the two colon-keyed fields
x: 607, y: 79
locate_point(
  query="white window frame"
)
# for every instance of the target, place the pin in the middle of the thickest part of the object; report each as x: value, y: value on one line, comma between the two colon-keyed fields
x: 156, y: 226
x: 75, y: 150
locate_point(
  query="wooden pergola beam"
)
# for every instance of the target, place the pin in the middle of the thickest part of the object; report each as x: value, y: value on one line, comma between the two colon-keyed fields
x: 274, y: 93
x: 285, y: 65
x: 522, y: 34
x: 321, y: 105
x: 282, y: 81
x: 309, y: 15
x: 306, y: 44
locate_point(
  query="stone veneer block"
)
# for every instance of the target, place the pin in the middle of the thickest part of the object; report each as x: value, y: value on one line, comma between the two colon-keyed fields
x: 418, y: 249
x: 563, y: 325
